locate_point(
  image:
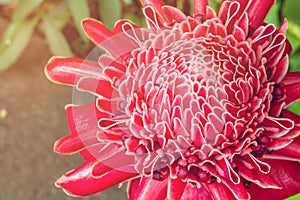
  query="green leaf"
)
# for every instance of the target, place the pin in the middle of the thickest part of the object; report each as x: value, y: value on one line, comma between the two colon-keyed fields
x: 14, y: 41
x: 294, y: 41
x: 127, y: 2
x: 80, y: 10
x: 294, y: 29
x: 9, y: 34
x: 295, y: 197
x: 110, y: 12
x: 214, y: 4
x: 56, y: 40
x: 24, y: 8
x: 291, y: 10
x: 141, y: 22
x: 273, y: 15
x: 60, y: 14
x: 6, y: 1
x: 294, y: 63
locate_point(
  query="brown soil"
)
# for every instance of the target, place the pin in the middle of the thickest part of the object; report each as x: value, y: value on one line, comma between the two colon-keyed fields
x: 35, y: 120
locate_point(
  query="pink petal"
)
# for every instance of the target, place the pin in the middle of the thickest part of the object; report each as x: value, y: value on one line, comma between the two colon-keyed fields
x: 101, y: 35
x: 149, y: 189
x: 291, y: 115
x: 113, y: 73
x: 284, y: 26
x: 292, y: 93
x: 97, y: 86
x: 120, y: 26
x: 278, y: 143
x: 113, y: 162
x: 82, y: 121
x: 290, y: 152
x: 155, y: 3
x: 96, y: 30
x: 192, y: 192
x: 293, y: 133
x: 218, y: 191
x: 281, y: 69
x: 176, y: 189
x: 286, y: 174
x: 200, y: 8
x: 255, y: 176
x: 238, y: 190
x: 90, y: 152
x: 152, y: 18
x: 105, y: 60
x: 80, y: 181
x: 176, y: 14
x: 132, y: 187
x: 258, y: 10
x: 291, y: 78
x: 71, y: 144
x: 158, y: 15
x: 229, y: 14
x: 104, y: 105
x: 70, y: 70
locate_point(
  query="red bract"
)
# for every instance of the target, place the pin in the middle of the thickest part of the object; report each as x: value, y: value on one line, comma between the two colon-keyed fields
x: 189, y: 108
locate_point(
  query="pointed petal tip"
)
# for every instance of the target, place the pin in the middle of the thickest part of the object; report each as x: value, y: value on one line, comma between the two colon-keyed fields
x: 95, y: 30
x: 67, y: 71
x: 49, y: 69
x: 87, y: 21
x: 156, y: 3
x: 68, y: 145
x: 59, y: 183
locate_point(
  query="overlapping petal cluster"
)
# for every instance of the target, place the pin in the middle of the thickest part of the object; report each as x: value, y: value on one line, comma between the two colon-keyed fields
x: 188, y: 108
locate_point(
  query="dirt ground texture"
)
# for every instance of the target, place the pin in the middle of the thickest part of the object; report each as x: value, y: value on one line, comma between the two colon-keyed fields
x: 35, y: 120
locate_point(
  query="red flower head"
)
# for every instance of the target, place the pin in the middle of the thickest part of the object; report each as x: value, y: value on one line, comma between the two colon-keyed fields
x: 189, y: 108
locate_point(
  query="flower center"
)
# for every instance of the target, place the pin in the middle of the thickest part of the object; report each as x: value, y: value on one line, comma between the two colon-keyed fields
x: 172, y: 97
x: 188, y: 113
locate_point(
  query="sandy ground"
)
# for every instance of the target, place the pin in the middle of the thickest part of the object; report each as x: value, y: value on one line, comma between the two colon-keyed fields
x: 35, y: 120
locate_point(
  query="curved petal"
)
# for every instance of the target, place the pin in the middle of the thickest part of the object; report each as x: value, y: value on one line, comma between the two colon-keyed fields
x: 159, y: 12
x: 80, y: 181
x: 121, y: 24
x: 257, y: 11
x: 200, y: 8
x: 286, y: 174
x: 291, y: 78
x: 149, y: 189
x: 82, y: 121
x: 290, y: 152
x: 96, y: 30
x: 292, y: 93
x: 96, y: 86
x: 176, y: 189
x: 291, y: 115
x: 191, y: 192
x: 132, y: 187
x: 71, y: 144
x: 70, y: 70
x: 155, y: 3
x: 218, y: 191
x: 101, y: 35
x: 115, y: 161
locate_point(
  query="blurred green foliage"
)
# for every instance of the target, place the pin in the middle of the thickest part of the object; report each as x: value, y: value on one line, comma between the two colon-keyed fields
x: 295, y: 197
x: 52, y: 18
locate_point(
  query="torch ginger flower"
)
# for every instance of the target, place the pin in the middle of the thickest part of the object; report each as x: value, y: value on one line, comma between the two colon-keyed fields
x: 189, y: 108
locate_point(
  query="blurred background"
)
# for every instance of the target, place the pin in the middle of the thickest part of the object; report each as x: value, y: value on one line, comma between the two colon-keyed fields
x: 32, y: 115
